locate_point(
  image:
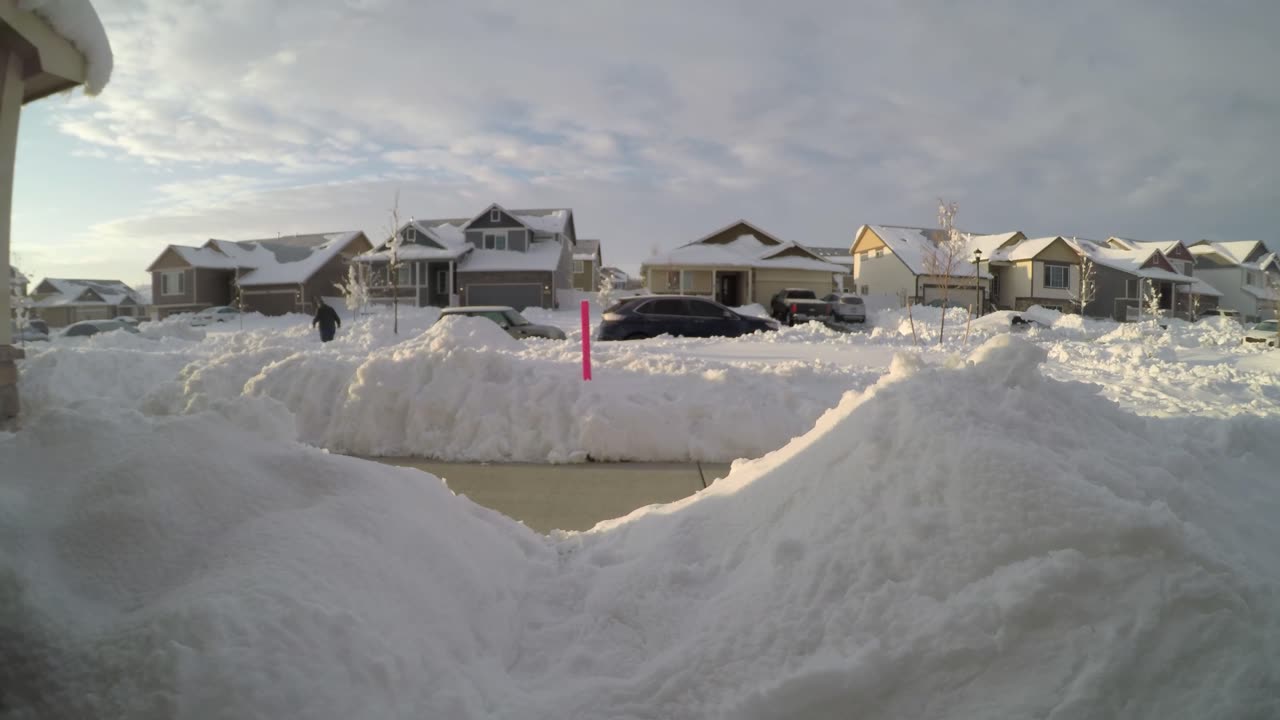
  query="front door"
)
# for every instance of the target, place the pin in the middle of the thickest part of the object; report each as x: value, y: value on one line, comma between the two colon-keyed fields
x: 727, y: 289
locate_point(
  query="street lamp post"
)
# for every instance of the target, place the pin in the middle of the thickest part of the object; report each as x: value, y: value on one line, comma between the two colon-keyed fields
x: 977, y: 289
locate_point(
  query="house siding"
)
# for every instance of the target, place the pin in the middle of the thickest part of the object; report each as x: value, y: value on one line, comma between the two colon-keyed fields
x: 589, y: 278
x: 884, y: 275
x: 510, y: 277
x: 766, y: 282
x: 505, y: 221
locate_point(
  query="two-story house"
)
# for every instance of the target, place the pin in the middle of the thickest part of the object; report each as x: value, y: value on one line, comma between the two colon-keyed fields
x: 900, y: 264
x: 272, y: 276
x: 587, y: 262
x: 519, y: 258
x: 1246, y: 272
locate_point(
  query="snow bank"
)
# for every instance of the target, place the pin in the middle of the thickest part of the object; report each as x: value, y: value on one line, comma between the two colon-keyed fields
x: 966, y: 542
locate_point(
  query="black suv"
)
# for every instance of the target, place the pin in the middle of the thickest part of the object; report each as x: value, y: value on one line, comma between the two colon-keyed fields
x: 649, y: 316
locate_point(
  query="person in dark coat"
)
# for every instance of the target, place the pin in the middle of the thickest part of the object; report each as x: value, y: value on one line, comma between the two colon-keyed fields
x: 328, y: 320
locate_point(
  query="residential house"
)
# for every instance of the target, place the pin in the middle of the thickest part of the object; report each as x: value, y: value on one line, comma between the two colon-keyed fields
x: 737, y: 265
x: 1123, y: 275
x: 901, y: 264
x: 272, y: 276
x: 587, y: 262
x: 17, y: 290
x: 520, y: 258
x: 840, y: 256
x: 621, y: 280
x: 62, y: 301
x: 1185, y: 301
x: 1246, y: 272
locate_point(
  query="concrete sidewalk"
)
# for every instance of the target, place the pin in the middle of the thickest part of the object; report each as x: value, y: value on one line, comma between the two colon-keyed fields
x: 568, y: 497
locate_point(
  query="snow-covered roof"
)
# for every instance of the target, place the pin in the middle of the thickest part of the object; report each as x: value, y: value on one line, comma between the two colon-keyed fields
x: 269, y: 261
x: 587, y: 246
x: 1029, y: 248
x: 744, y: 251
x: 286, y: 261
x: 585, y: 257
x: 913, y: 246
x: 1261, y: 293
x: 78, y: 22
x: 992, y: 246
x: 70, y: 290
x: 1164, y: 246
x: 543, y: 221
x: 1234, y: 251
x: 839, y: 255
x: 1127, y: 261
x: 541, y: 255
x: 1200, y: 287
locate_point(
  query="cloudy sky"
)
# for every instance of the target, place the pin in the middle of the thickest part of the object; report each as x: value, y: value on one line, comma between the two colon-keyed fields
x: 656, y: 121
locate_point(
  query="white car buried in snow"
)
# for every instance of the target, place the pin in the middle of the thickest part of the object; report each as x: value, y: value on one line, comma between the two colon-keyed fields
x: 208, y: 316
x: 1267, y: 331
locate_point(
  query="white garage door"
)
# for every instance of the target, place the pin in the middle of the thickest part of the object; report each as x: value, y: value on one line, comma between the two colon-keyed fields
x: 518, y: 296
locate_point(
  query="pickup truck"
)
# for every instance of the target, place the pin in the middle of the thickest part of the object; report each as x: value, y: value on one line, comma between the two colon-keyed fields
x: 797, y: 305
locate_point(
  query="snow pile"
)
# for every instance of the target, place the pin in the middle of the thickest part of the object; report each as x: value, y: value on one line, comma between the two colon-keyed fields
x: 972, y: 542
x: 176, y: 326
x: 926, y: 320
x: 753, y: 310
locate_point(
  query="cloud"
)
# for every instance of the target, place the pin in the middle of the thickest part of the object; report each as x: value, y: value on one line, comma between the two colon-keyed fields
x: 660, y: 121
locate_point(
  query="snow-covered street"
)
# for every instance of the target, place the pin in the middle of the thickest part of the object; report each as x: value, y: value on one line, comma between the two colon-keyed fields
x: 896, y: 545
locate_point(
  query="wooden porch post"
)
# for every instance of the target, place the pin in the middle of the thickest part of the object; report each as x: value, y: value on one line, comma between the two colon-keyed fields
x: 713, y: 284
x: 11, y: 87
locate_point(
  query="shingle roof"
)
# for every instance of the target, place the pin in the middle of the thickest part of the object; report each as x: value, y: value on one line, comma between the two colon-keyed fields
x: 913, y: 246
x: 69, y: 290
x: 270, y: 261
x: 743, y: 251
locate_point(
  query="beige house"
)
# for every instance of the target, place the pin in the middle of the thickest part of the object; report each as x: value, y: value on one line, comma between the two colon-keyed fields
x: 587, y: 263
x: 900, y: 264
x: 1034, y: 271
x: 37, y: 60
x: 737, y: 265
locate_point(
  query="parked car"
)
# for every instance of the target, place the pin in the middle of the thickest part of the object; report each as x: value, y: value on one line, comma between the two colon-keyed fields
x: 798, y: 305
x: 39, y: 326
x: 128, y: 320
x: 846, y: 308
x: 648, y: 316
x: 1223, y: 312
x: 212, y: 315
x: 1267, y: 331
x: 508, y: 319
x: 28, y: 333
x: 85, y: 328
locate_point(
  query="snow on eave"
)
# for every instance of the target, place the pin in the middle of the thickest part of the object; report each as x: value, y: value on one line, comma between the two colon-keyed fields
x: 78, y: 22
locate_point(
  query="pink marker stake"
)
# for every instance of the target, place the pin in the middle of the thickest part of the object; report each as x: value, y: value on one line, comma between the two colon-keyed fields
x: 586, y: 342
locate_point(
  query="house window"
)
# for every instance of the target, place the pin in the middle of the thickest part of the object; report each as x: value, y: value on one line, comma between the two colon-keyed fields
x: 578, y: 267
x: 673, y: 279
x: 1249, y: 278
x: 495, y: 241
x: 866, y: 289
x: 1057, y: 276
x: 876, y: 253
x: 410, y: 235
x: 404, y: 275
x: 686, y: 279
x: 495, y: 215
x: 173, y: 282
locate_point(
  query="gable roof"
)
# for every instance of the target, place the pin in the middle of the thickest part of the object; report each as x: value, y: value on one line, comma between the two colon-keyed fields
x: 832, y: 254
x: 912, y: 245
x: 76, y: 291
x: 1133, y: 262
x: 1236, y: 252
x: 587, y: 249
x: 548, y: 221
x: 285, y: 260
x: 755, y: 249
x: 1030, y: 248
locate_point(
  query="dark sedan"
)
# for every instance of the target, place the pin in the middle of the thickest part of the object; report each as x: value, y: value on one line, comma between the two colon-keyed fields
x: 645, y: 317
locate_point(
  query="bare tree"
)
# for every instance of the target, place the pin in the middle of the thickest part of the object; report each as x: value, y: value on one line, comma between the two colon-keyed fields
x: 355, y: 289
x: 1151, y: 299
x: 393, y: 263
x: 607, y: 291
x: 946, y: 257
x: 1087, y: 288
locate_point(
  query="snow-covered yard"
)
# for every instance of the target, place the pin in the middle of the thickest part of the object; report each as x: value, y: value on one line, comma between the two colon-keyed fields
x: 1070, y: 522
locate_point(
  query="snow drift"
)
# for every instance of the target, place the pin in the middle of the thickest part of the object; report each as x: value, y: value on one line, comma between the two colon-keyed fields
x: 968, y: 542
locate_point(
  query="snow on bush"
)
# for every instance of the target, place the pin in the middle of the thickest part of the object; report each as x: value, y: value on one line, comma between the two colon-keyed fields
x: 1058, y: 556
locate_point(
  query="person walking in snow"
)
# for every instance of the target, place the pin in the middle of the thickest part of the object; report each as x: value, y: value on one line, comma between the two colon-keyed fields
x: 328, y: 320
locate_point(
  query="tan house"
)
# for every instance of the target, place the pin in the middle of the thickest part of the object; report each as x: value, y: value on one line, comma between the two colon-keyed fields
x: 273, y: 276
x: 899, y: 264
x: 587, y: 262
x: 737, y: 265
x: 62, y: 301
x: 36, y: 61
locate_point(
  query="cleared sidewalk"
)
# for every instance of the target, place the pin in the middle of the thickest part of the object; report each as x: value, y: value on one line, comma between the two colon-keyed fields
x: 568, y: 497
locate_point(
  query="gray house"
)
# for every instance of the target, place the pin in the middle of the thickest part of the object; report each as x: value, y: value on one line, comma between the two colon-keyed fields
x: 519, y: 258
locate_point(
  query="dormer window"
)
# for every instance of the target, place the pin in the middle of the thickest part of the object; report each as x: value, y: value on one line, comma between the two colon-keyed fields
x: 495, y: 215
x: 411, y: 234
